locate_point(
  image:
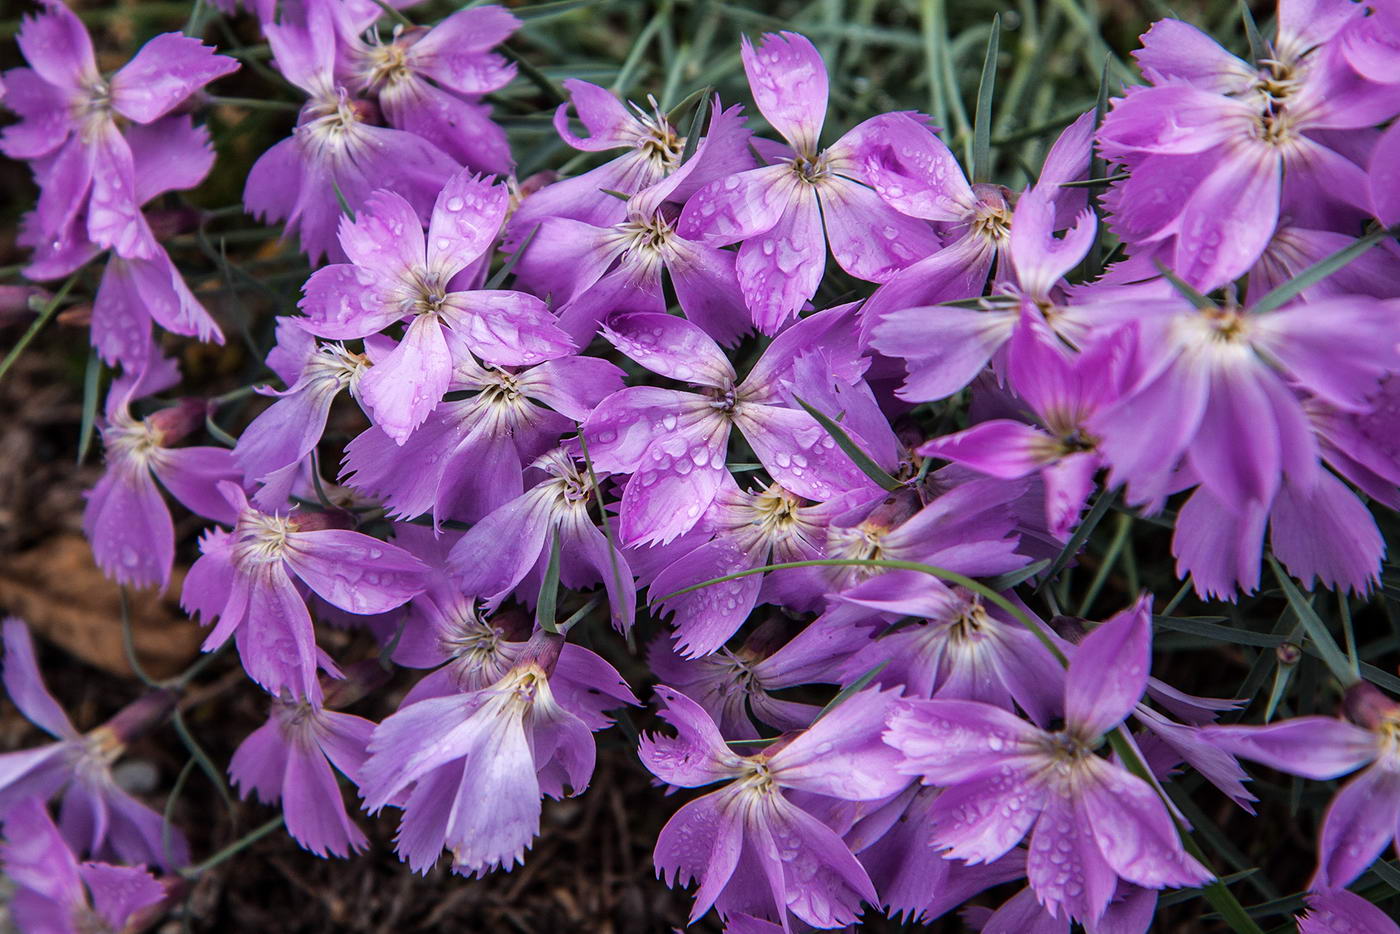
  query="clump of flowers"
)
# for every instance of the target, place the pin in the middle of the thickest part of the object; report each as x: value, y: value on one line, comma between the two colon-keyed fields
x: 856, y: 499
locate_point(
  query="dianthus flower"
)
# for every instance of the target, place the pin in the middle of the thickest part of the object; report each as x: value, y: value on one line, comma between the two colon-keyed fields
x: 777, y: 213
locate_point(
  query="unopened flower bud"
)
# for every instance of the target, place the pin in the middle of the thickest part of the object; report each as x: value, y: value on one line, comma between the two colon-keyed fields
x: 1367, y: 707
x: 1288, y: 653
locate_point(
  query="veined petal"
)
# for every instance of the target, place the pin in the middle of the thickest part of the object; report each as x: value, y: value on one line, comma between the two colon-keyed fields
x: 672, y: 347
x: 869, y: 239
x: 789, y: 84
x: 1108, y: 674
x: 385, y: 236
x: 404, y: 388
x: 1133, y: 830
x: 947, y: 742
x: 353, y: 571
x: 779, y: 268
x: 697, y: 754
x: 999, y: 448
x: 701, y: 841
x: 466, y: 219
x: 163, y: 73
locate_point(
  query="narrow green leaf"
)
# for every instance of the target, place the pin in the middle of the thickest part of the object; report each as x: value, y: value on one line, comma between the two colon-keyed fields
x: 508, y: 266
x: 580, y: 613
x: 1012, y: 578
x: 697, y: 125
x: 1080, y: 536
x: 45, y: 315
x: 692, y: 99
x: 982, y: 117
x: 1322, y: 269
x: 1283, y: 676
x: 167, y: 819
x: 935, y: 45
x: 340, y: 199
x: 538, y: 12
x: 1258, y: 48
x: 1096, y: 182
x: 850, y: 689
x: 1388, y: 873
x: 92, y: 384
x: 1203, y: 626
x: 233, y: 849
x: 852, y: 450
x: 1183, y: 288
x: 394, y: 13
x: 206, y: 764
x: 1110, y: 558
x: 533, y: 74
x: 549, y: 589
x: 619, y: 195
x: 218, y: 434
x: 1316, y: 629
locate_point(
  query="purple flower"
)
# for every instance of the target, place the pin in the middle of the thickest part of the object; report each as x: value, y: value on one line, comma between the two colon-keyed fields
x: 430, y: 82
x: 275, y: 446
x: 777, y: 212
x: 916, y: 174
x: 749, y: 530
x: 68, y: 123
x: 1064, y: 394
x: 674, y: 443
x: 1094, y: 822
x: 751, y: 847
x: 1215, y: 387
x: 512, y: 544
x: 244, y: 578
x: 394, y: 274
x: 97, y: 816
x: 58, y: 895
x: 591, y: 271
x: 1364, y: 816
x: 334, y: 152
x: 945, y: 347
x: 467, y: 458
x: 469, y: 769
x: 289, y: 759
x: 653, y: 151
x: 126, y: 519
x: 734, y: 687
x: 1218, y: 147
x: 959, y: 648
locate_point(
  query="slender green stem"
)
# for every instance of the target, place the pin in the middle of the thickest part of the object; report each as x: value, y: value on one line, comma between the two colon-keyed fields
x: 45, y: 315
x: 233, y: 849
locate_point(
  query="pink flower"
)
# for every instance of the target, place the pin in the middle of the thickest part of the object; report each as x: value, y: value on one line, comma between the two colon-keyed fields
x: 1094, y: 822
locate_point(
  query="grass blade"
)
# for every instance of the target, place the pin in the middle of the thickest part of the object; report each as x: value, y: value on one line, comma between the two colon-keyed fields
x: 1321, y: 270
x: 92, y: 385
x: 850, y: 689
x: 1316, y: 629
x: 549, y: 589
x: 982, y: 117
x: 852, y: 450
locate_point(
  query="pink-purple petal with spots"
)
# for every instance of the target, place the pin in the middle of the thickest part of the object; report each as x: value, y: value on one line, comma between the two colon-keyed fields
x: 672, y: 347
x: 780, y: 268
x: 789, y: 84
x: 166, y: 71
x: 466, y: 220
x: 403, y: 389
x: 702, y: 841
x: 869, y: 239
